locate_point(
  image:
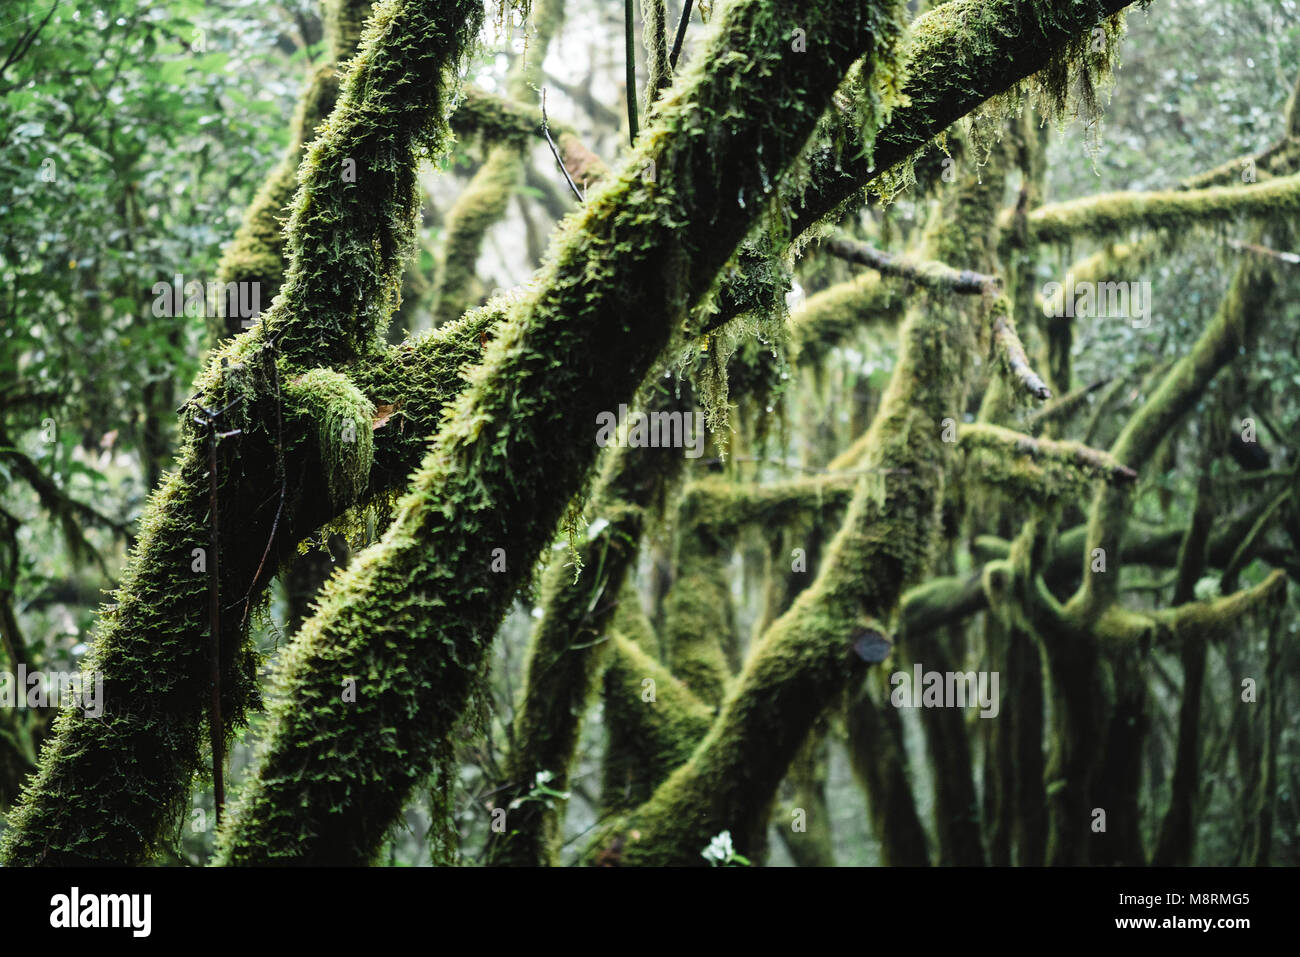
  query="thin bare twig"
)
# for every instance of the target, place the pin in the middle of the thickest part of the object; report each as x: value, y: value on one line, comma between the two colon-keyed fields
x: 555, y: 151
x: 210, y: 418
x: 1291, y: 258
x: 284, y: 491
x: 681, y: 35
x: 931, y: 275
x: 629, y: 46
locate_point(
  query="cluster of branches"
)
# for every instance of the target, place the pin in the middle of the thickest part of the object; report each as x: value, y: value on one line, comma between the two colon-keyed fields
x: 483, y: 428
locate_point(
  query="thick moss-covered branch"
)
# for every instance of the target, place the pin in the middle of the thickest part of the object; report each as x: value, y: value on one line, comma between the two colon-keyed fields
x: 833, y: 629
x: 723, y: 506
x: 757, y: 283
x: 410, y: 620
x: 1113, y: 215
x: 1211, y: 620
x: 1232, y: 328
x: 108, y: 790
x: 355, y: 212
x: 961, y: 54
x: 560, y: 663
x: 947, y: 599
x: 699, y: 621
x: 828, y: 317
x: 1280, y: 158
x: 1040, y: 469
x: 653, y: 727
x: 342, y: 417
x: 257, y: 254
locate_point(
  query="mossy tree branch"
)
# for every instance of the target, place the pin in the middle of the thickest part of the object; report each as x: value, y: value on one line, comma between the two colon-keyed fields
x: 935, y: 276
x: 257, y: 254
x: 1114, y: 215
x: 878, y: 757
x: 498, y: 119
x: 828, y: 317
x: 567, y: 645
x: 484, y: 201
x: 961, y: 54
x: 518, y: 444
x: 652, y: 728
x: 806, y: 658
x: 1041, y: 469
x: 1233, y: 327
x: 108, y: 789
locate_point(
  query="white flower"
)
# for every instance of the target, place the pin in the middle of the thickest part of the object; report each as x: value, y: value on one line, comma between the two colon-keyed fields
x: 720, y: 849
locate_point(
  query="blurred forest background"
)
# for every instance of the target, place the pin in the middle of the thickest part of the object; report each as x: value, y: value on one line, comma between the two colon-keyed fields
x: 134, y: 136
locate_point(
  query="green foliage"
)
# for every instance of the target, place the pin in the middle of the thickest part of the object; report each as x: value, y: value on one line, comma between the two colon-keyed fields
x: 881, y: 471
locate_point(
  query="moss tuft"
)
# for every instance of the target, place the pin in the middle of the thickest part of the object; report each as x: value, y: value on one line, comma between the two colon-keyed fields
x: 342, y: 418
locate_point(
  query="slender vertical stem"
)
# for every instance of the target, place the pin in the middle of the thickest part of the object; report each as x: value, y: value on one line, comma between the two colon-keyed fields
x: 214, y: 624
x: 681, y: 35
x: 629, y: 46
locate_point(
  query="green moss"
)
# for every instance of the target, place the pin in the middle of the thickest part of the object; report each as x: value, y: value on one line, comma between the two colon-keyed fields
x: 412, y: 617
x: 832, y: 315
x: 807, y: 657
x: 109, y: 790
x: 699, y: 621
x: 568, y: 647
x: 878, y: 758
x: 343, y: 22
x: 1279, y: 159
x: 481, y: 204
x: 652, y: 728
x: 484, y: 201
x: 1231, y: 330
x: 1017, y: 382
x: 961, y: 54
x: 353, y: 218
x: 257, y: 253
x: 342, y: 418
x: 1061, y: 411
x: 1204, y: 621
x: 1173, y: 212
x: 806, y: 804
x: 494, y: 118
x: 1042, y: 470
